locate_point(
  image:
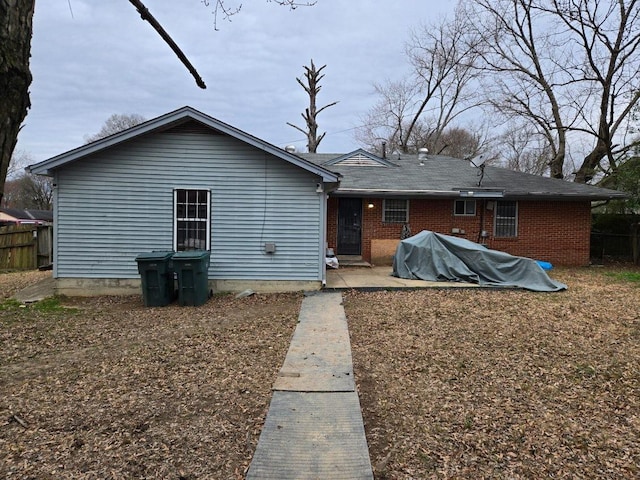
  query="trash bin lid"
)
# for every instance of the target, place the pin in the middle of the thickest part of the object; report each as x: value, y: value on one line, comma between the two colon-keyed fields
x: 154, y: 256
x: 191, y: 255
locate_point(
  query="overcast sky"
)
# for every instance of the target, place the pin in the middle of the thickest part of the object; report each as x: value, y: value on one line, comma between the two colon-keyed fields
x: 91, y: 59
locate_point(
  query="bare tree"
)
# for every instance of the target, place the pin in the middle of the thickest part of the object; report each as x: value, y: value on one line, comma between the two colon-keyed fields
x: 29, y: 191
x: 524, y: 150
x: 26, y: 190
x: 19, y: 160
x: 387, y: 117
x: 419, y: 109
x: 457, y: 142
x: 609, y: 34
x: 114, y: 124
x: 566, y: 67
x: 312, y: 87
x: 387, y: 120
x: 518, y: 58
x: 390, y: 119
x: 222, y: 9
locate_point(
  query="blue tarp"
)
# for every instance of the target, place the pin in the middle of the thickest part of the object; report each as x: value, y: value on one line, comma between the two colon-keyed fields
x: 435, y: 257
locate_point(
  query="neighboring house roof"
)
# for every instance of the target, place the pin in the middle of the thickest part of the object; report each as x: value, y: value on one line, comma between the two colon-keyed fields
x: 438, y: 176
x: 25, y: 216
x: 170, y: 120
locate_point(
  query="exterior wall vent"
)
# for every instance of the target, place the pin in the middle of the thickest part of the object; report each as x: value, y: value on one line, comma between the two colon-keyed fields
x: 360, y: 160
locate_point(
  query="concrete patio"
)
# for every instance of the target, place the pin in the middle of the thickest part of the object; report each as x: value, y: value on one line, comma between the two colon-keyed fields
x: 380, y: 278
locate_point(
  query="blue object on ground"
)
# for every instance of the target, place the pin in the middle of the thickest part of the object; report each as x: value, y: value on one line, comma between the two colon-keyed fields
x: 544, y: 265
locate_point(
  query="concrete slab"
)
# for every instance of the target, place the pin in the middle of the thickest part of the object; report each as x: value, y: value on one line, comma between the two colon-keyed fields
x: 312, y: 436
x: 381, y: 278
x: 319, y: 357
x: 36, y: 292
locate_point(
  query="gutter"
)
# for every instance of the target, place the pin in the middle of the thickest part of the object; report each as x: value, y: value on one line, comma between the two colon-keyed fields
x: 480, y: 194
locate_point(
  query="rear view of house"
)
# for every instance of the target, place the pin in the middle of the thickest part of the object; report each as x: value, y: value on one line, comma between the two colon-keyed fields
x: 380, y: 199
x: 186, y: 181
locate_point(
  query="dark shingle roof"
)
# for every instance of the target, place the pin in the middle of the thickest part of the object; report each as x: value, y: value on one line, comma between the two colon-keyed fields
x: 29, y: 214
x: 445, y: 177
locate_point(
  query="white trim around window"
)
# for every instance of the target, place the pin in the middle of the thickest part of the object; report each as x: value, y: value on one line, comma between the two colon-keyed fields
x: 191, y: 219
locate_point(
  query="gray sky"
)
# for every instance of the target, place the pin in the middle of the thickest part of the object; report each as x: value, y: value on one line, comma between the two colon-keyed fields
x: 104, y: 59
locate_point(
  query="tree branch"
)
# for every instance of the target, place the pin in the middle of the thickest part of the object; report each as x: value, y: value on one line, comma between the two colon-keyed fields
x: 146, y: 15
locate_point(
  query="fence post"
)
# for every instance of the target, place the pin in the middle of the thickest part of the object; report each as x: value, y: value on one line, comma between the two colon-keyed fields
x: 35, y: 247
x: 635, y: 242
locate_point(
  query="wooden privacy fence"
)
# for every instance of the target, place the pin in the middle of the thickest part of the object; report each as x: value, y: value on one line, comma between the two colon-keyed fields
x: 26, y: 247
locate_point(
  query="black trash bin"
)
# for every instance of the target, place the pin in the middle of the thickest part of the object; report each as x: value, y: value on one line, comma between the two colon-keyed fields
x: 192, y: 268
x: 156, y: 272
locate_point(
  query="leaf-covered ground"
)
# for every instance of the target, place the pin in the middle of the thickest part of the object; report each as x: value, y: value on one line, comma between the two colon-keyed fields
x: 502, y: 384
x: 108, y: 389
x: 453, y: 383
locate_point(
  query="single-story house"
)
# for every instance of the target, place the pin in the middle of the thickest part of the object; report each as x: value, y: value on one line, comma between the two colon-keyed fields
x: 380, y: 199
x: 187, y: 181
x: 15, y: 216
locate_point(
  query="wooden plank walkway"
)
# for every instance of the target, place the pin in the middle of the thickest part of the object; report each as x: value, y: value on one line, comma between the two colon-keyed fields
x: 314, y: 427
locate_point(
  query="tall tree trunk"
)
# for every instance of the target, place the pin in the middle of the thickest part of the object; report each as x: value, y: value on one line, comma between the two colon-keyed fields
x: 16, y: 22
x: 556, y: 165
x: 311, y: 113
x: 588, y: 168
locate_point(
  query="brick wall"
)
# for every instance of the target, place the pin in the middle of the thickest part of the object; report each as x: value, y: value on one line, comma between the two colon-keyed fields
x: 332, y: 223
x: 556, y: 232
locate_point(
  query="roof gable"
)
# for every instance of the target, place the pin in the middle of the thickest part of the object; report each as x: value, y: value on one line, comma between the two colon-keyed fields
x: 182, y: 118
x: 359, y: 158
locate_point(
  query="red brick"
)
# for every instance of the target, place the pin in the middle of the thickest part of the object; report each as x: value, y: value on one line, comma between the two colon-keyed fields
x: 554, y: 231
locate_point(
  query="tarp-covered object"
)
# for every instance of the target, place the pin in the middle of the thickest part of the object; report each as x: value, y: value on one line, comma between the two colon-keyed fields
x: 435, y: 257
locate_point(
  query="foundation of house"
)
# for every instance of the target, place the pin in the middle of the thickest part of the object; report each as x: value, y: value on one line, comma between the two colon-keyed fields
x: 91, y: 287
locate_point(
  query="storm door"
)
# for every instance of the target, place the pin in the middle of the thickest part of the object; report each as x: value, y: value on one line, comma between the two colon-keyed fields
x: 349, y: 226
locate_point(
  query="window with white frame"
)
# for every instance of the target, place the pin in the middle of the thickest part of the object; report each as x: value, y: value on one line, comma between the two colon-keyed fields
x: 506, y: 219
x: 464, y: 207
x: 191, y: 219
x: 395, y: 210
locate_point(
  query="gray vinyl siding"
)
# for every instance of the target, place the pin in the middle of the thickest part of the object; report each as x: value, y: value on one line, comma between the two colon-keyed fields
x: 119, y: 203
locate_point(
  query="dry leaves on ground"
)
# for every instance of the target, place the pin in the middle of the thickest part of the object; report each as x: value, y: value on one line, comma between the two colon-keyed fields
x: 454, y: 383
x: 110, y: 389
x: 503, y: 383
x: 10, y: 283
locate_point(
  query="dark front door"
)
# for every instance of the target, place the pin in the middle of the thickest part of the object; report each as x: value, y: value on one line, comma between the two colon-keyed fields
x: 349, y: 226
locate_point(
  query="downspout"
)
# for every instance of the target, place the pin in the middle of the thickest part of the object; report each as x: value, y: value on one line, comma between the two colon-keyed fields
x: 323, y: 237
x: 483, y: 207
x: 324, y: 208
x: 56, y: 224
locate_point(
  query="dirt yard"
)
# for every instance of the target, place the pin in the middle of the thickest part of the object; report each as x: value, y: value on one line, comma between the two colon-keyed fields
x: 502, y: 384
x: 109, y: 389
x: 453, y: 383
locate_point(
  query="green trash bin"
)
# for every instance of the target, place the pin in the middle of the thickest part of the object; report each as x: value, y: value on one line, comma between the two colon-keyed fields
x: 192, y: 268
x: 156, y: 273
